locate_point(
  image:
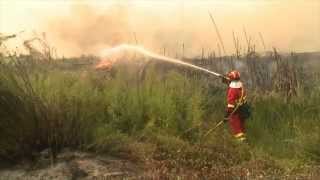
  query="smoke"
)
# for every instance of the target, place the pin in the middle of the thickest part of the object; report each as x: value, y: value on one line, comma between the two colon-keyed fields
x: 85, y: 30
x: 181, y: 29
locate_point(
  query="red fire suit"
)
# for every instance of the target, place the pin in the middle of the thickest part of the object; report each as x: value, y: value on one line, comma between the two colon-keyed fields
x: 235, y: 96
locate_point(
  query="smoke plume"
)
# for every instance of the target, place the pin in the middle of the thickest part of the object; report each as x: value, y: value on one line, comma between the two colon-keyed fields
x: 183, y: 29
x: 85, y: 30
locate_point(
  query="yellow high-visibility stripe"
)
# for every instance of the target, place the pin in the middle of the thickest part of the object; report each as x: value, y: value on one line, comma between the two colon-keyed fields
x: 239, y: 135
x: 230, y: 106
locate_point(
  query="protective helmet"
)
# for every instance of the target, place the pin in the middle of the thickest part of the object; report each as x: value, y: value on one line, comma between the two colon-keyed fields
x: 234, y: 75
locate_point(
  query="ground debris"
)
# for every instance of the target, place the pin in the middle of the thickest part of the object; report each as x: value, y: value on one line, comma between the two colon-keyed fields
x: 73, y: 165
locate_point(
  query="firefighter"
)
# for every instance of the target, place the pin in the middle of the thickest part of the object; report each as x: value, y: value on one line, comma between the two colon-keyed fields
x: 236, y: 111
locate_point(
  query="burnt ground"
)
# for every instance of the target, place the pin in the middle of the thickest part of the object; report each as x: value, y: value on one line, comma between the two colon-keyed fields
x: 74, y: 165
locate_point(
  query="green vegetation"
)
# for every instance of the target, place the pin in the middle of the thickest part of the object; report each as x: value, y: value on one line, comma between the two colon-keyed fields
x: 157, y: 119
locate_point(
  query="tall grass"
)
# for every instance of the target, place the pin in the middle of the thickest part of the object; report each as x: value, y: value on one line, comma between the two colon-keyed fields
x: 160, y: 116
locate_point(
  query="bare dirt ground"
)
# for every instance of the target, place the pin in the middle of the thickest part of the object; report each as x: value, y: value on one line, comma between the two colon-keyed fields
x: 73, y: 165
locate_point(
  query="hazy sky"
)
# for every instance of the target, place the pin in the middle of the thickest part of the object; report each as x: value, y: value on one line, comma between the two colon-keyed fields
x: 84, y: 26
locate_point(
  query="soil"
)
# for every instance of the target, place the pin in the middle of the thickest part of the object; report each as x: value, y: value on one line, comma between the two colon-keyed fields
x: 73, y: 165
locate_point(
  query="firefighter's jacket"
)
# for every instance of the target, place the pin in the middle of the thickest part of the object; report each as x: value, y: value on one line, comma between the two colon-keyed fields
x: 236, y: 96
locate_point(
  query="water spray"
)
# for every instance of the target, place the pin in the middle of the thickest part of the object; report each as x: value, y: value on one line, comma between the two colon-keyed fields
x: 139, y: 49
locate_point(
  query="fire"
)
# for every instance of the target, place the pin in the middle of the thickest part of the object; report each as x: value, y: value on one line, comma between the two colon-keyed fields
x: 104, y: 64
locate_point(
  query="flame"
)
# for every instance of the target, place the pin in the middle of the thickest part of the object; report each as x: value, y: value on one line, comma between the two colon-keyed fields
x: 105, y: 64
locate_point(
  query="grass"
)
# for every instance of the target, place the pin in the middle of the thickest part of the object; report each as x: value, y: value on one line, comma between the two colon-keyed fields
x: 146, y: 119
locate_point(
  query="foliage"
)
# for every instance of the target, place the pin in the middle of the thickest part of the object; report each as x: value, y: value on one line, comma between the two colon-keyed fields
x: 160, y: 116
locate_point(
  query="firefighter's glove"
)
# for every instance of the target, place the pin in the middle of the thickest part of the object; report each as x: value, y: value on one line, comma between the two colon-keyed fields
x: 225, y: 80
